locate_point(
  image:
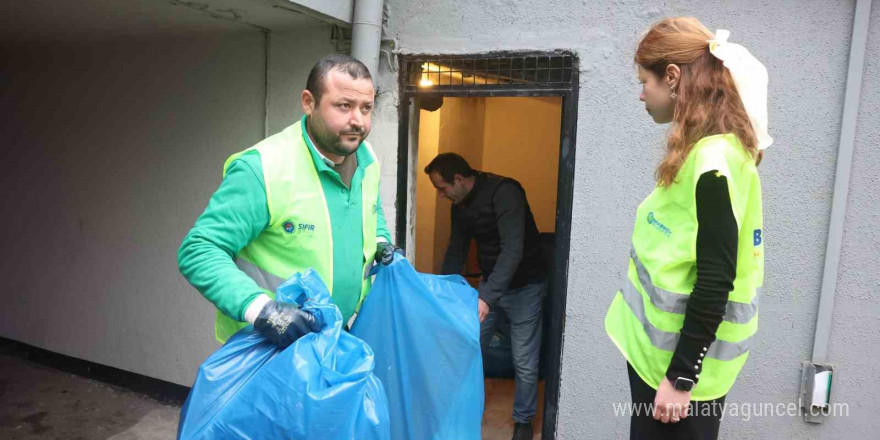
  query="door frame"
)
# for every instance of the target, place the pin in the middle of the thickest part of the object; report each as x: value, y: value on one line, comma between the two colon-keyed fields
x: 565, y: 186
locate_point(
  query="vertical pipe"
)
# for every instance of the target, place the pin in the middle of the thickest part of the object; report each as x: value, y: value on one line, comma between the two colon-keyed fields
x: 841, y: 179
x: 366, y: 33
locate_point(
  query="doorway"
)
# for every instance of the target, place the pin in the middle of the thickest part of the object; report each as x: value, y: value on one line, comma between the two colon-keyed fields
x: 512, y: 115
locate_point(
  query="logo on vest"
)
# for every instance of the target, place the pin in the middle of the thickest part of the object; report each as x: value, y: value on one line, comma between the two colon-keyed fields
x: 300, y: 229
x: 758, y: 238
x: 660, y: 226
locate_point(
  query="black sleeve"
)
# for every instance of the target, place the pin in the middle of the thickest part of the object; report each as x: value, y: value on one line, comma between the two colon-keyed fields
x: 510, y: 215
x: 716, y: 269
x: 456, y: 252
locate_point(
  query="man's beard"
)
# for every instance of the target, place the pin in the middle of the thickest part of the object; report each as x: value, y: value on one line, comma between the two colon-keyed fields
x: 335, y: 146
x: 332, y: 142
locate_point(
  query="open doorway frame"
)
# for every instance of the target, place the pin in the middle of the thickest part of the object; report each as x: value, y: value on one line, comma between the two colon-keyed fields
x: 502, y: 74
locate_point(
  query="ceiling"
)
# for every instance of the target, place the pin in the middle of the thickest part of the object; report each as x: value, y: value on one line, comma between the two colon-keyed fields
x: 84, y: 20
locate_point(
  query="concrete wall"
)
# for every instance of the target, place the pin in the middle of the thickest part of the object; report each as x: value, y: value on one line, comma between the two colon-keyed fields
x: 291, y: 57
x: 856, y: 318
x: 112, y: 150
x: 805, y: 46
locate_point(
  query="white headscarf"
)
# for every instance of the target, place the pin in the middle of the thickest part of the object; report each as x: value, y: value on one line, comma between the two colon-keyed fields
x: 750, y: 77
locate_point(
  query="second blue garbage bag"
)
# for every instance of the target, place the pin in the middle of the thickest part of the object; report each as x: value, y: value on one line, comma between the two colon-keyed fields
x: 425, y: 333
x: 320, y: 387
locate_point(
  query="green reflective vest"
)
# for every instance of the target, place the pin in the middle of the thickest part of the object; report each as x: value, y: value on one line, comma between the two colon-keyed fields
x: 299, y: 235
x: 646, y: 315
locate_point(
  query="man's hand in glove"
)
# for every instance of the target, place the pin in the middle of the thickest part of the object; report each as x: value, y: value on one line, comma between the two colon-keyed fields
x: 385, y: 252
x: 284, y: 323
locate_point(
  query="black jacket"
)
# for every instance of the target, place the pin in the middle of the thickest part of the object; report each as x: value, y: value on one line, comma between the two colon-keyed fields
x: 496, y: 214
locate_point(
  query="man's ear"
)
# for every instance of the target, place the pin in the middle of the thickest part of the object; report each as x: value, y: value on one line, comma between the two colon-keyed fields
x: 308, y: 102
x: 672, y: 76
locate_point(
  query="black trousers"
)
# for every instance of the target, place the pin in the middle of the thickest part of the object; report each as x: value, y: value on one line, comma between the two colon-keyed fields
x: 702, y: 423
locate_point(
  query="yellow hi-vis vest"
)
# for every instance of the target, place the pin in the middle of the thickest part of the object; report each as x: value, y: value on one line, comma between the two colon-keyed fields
x: 646, y: 316
x: 299, y: 234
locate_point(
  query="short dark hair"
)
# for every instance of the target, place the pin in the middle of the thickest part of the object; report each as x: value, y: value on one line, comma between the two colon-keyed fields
x: 448, y: 165
x: 342, y: 63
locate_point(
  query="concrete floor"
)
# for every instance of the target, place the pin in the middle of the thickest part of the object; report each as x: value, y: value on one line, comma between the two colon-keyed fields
x: 38, y: 402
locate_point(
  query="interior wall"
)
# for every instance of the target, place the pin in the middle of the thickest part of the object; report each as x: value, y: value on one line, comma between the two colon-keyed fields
x: 426, y: 196
x: 462, y: 122
x: 111, y: 151
x: 522, y: 141
x: 519, y: 138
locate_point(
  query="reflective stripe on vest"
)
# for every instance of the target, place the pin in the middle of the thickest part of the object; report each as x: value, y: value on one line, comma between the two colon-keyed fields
x: 268, y: 281
x: 264, y: 280
x: 721, y: 350
x: 736, y: 312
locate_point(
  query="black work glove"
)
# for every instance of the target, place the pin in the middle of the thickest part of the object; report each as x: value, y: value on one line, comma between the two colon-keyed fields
x: 385, y: 252
x: 284, y: 323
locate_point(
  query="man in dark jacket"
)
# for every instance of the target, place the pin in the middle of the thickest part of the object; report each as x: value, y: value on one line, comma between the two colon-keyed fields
x: 493, y: 210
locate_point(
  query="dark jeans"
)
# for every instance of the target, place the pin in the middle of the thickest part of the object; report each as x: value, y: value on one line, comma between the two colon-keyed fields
x: 702, y: 423
x: 523, y: 307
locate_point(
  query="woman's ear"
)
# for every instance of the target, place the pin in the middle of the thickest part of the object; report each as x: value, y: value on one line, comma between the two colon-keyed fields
x: 673, y: 75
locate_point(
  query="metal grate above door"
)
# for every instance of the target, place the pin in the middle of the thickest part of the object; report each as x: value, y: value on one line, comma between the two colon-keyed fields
x: 542, y: 71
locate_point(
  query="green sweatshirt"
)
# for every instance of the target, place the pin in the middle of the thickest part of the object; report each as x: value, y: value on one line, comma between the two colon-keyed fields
x: 238, y: 212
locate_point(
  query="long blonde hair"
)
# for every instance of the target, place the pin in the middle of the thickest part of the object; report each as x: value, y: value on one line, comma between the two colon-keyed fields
x: 707, y: 103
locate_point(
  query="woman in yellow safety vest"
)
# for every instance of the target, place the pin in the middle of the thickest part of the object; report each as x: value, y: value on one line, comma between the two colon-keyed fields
x: 688, y: 308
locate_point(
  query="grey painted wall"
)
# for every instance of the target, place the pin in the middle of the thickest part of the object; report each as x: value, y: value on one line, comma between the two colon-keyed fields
x: 113, y: 148
x: 855, y: 331
x: 111, y: 151
x: 805, y: 46
x: 292, y: 55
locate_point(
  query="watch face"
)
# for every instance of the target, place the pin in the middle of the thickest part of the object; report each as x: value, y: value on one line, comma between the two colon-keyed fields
x: 683, y: 384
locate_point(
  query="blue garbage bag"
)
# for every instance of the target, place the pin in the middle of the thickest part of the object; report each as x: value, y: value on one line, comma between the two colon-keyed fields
x: 320, y: 387
x: 425, y: 333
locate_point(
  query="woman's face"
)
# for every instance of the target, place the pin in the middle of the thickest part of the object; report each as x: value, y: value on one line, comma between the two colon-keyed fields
x: 656, y: 94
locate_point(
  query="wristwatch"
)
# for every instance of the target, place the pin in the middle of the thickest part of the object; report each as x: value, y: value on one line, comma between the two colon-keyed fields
x: 683, y: 384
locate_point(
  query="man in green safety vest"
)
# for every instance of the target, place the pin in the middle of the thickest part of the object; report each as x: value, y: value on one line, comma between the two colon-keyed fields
x: 307, y: 197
